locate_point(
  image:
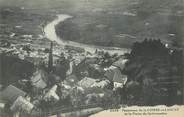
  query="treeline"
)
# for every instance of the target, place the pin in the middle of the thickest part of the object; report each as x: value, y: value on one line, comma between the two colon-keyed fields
x: 13, y: 69
x: 154, y: 74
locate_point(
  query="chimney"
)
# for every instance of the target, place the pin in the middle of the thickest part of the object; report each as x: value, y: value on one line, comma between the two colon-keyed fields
x: 50, y: 62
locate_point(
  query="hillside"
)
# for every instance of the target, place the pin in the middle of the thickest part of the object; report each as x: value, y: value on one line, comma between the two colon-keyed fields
x: 123, y: 23
x: 112, y: 22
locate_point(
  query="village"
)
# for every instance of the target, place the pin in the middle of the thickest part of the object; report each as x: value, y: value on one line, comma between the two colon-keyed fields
x: 38, y: 75
x: 62, y: 77
x: 55, y: 80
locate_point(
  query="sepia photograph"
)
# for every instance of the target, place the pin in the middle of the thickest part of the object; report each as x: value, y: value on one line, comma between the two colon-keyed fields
x: 82, y: 58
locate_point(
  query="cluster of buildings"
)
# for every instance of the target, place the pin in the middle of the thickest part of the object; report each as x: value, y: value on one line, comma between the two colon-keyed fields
x: 72, y: 78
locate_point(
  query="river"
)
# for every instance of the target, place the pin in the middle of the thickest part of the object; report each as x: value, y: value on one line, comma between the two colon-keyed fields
x: 50, y: 33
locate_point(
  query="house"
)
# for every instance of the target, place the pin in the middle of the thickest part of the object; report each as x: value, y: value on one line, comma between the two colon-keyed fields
x: 119, y: 82
x: 2, y: 104
x: 11, y: 93
x: 120, y: 63
x: 51, y: 94
x: 65, y: 93
x: 78, y: 59
x: 22, y: 104
x: 75, y: 49
x: 109, y: 72
x: 114, y: 75
x: 39, y: 79
x: 27, y: 36
x: 101, y: 84
x: 86, y: 82
x: 91, y: 60
x: 71, y: 80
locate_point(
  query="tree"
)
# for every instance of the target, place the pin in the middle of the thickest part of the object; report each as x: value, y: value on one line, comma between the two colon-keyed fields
x: 150, y: 64
x: 28, y: 87
x: 61, y: 67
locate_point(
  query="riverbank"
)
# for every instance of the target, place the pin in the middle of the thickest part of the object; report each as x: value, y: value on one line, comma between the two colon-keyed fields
x: 50, y: 33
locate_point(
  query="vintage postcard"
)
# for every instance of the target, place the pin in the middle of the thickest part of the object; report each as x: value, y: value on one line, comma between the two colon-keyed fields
x: 91, y: 58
